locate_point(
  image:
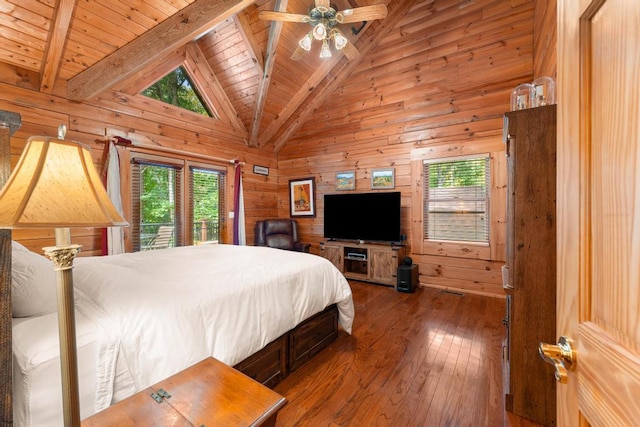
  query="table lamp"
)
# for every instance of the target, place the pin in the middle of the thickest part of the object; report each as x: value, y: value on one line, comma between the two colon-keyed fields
x: 56, y: 185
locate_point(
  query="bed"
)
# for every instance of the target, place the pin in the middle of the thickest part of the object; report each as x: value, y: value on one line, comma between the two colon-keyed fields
x: 144, y: 316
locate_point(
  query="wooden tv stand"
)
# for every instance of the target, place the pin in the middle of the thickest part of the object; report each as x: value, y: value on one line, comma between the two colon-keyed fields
x: 369, y: 262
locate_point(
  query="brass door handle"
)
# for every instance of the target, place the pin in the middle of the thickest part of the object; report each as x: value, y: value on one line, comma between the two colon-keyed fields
x: 561, y: 356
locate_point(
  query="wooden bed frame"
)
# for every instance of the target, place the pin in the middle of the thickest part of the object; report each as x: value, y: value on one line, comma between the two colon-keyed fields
x: 273, y: 363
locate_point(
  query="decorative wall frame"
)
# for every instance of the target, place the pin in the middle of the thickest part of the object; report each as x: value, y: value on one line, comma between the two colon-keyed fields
x: 261, y: 170
x: 382, y: 179
x: 346, y: 180
x: 302, y: 194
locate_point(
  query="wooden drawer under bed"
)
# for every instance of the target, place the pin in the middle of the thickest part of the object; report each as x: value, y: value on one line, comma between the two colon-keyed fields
x: 273, y: 363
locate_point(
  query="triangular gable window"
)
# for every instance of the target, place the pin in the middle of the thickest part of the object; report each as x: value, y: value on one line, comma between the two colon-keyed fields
x: 176, y: 88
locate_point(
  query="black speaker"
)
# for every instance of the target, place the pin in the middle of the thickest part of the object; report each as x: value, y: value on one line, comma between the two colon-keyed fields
x: 407, y: 278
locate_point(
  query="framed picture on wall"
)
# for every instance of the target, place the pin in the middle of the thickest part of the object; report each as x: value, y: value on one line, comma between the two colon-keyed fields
x: 261, y: 170
x: 346, y: 180
x: 382, y: 179
x: 302, y: 194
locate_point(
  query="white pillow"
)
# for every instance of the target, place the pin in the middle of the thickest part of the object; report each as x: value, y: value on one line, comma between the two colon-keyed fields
x: 33, y: 279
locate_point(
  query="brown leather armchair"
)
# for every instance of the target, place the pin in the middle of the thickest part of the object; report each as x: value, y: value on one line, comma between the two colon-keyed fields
x: 279, y: 233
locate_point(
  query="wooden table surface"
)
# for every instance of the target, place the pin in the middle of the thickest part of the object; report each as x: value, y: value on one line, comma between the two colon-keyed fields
x: 208, y: 393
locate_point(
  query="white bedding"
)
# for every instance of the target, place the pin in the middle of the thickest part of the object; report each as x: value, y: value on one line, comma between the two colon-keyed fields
x: 155, y: 313
x: 37, y: 397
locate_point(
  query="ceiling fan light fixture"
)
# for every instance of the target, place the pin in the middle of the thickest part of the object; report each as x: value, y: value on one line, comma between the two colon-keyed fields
x: 324, y: 19
x: 325, y: 52
x: 320, y: 30
x: 339, y: 40
x: 306, y: 41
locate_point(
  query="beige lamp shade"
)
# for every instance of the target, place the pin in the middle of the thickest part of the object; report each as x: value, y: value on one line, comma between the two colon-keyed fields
x: 55, y: 184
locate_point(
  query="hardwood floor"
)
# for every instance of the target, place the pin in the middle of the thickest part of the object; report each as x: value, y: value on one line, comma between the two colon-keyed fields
x: 423, y: 359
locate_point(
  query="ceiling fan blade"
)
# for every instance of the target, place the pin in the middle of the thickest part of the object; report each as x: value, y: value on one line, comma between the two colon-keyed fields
x: 365, y: 13
x: 282, y: 16
x: 297, y: 54
x: 323, y: 3
x: 350, y: 51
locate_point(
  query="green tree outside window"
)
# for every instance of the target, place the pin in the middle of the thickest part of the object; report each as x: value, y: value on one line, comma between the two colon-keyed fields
x: 176, y: 88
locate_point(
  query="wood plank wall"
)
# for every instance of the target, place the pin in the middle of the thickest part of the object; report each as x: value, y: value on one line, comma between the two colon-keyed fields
x: 441, y: 81
x: 141, y: 120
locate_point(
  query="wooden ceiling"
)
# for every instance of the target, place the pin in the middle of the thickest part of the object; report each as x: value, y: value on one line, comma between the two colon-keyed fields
x: 85, y: 50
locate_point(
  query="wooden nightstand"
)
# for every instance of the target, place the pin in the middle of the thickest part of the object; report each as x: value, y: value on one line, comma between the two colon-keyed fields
x: 208, y: 393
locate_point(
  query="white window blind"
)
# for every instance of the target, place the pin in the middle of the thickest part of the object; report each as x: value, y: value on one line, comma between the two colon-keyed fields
x: 207, y: 204
x: 156, y: 204
x: 456, y: 199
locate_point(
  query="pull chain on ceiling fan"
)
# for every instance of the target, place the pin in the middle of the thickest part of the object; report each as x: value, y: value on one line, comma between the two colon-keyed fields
x: 323, y: 17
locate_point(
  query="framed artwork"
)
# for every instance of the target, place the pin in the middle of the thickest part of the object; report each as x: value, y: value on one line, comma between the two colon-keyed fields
x: 260, y: 170
x: 346, y: 180
x: 382, y: 178
x: 302, y: 194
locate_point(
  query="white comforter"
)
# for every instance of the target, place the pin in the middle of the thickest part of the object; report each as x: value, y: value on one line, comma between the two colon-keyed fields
x: 159, y: 312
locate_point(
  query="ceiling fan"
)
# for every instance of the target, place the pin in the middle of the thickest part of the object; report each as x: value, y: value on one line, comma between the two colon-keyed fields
x: 324, y: 18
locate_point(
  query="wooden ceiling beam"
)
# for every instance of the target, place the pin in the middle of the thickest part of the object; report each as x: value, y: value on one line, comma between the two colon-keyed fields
x: 304, y: 92
x: 270, y: 59
x: 154, y: 71
x: 209, y: 87
x: 55, y: 44
x: 299, y: 97
x: 187, y: 25
x: 253, y: 46
x: 397, y: 10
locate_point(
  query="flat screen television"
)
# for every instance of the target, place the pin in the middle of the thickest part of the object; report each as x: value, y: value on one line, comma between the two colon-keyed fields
x: 373, y: 217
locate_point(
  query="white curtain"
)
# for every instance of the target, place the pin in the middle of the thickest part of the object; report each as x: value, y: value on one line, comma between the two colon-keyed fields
x: 242, y: 235
x: 115, y: 235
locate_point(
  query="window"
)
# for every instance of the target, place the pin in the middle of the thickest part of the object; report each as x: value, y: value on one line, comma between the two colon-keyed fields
x: 159, y: 217
x: 456, y: 199
x: 176, y: 88
x: 156, y: 196
x: 206, y: 204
